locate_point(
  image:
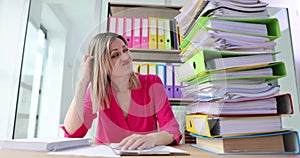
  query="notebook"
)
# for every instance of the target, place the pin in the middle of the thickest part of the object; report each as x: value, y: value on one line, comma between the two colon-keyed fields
x: 45, y: 144
x: 157, y: 150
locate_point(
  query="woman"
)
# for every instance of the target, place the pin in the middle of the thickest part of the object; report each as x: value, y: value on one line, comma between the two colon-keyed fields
x: 129, y: 106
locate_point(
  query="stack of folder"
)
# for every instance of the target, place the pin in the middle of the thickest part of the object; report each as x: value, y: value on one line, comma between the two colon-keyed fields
x: 165, y: 71
x: 230, y: 67
x: 146, y: 33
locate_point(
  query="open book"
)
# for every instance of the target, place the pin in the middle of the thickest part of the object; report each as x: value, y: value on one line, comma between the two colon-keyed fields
x: 45, y: 144
x: 157, y: 150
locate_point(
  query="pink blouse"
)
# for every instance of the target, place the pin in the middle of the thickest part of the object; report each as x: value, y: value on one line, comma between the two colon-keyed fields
x: 149, y: 106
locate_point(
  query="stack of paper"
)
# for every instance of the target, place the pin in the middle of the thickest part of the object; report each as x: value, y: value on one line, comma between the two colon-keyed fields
x: 188, y: 14
x: 278, y: 104
x: 230, y: 70
x: 239, y: 27
x: 229, y: 91
x: 234, y: 35
x: 237, y: 9
x: 230, y: 62
x: 45, y: 144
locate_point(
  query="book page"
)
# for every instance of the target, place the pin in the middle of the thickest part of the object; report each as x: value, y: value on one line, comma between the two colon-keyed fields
x: 157, y: 150
x: 90, y: 151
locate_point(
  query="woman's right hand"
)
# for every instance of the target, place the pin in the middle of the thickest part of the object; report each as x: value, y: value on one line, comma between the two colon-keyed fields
x: 86, y: 68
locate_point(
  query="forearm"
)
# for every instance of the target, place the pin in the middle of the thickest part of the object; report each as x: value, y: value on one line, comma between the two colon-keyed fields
x: 162, y: 138
x: 74, y: 117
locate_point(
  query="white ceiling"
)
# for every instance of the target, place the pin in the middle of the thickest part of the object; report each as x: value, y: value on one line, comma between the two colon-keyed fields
x: 71, y: 13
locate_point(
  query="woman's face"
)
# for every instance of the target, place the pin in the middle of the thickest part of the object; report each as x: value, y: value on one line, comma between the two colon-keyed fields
x: 121, y: 58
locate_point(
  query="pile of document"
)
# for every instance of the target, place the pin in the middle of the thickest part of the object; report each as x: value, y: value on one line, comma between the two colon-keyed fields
x: 231, y: 59
x: 230, y: 69
x: 194, y: 9
x: 235, y: 9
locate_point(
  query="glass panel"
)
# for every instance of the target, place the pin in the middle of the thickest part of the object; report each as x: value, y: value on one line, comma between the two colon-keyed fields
x: 50, y: 67
x: 287, y: 84
x: 29, y: 92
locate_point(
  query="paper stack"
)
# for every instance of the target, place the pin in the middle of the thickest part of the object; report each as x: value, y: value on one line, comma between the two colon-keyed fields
x: 237, y: 9
x: 230, y: 67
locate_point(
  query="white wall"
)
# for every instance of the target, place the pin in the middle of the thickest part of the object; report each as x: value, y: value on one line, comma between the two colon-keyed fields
x: 52, y: 82
x: 13, y: 18
x: 78, y: 37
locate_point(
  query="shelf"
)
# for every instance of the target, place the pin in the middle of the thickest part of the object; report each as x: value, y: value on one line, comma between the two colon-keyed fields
x: 146, y: 11
x: 170, y: 56
x: 180, y: 101
x: 143, y: 10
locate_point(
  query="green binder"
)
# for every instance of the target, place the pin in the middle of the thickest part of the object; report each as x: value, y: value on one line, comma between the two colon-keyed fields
x: 196, y: 66
x: 272, y: 25
x: 191, y: 50
x: 278, y: 68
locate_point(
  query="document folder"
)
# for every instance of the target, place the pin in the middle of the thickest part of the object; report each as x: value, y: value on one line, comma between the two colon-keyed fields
x: 278, y: 69
x: 215, y: 126
x: 152, y: 33
x: 112, y: 27
x: 170, y: 80
x: 251, y: 144
x: 128, y: 32
x: 167, y: 35
x: 160, y: 33
x: 152, y: 68
x: 120, y: 25
x: 196, y: 66
x: 136, y: 43
x: 272, y: 25
x: 161, y: 72
x: 177, y: 84
x: 145, y: 33
x: 280, y: 104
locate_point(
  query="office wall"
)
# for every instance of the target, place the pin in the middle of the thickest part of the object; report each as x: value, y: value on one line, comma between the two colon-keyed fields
x: 13, y: 17
x: 52, y: 82
x: 76, y: 45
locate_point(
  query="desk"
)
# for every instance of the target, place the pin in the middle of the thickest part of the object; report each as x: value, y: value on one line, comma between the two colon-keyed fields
x: 195, y: 153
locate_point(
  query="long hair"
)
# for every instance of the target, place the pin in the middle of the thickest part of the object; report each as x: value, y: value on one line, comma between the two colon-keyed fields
x: 102, y: 68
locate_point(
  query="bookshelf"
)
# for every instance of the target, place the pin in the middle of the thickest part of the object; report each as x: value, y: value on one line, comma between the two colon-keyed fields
x: 145, y: 11
x: 146, y: 54
x: 168, y: 56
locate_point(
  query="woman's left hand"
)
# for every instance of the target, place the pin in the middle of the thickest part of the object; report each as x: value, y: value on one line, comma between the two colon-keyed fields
x: 138, y: 141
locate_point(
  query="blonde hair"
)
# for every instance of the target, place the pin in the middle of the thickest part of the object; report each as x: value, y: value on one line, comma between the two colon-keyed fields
x: 101, y: 69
